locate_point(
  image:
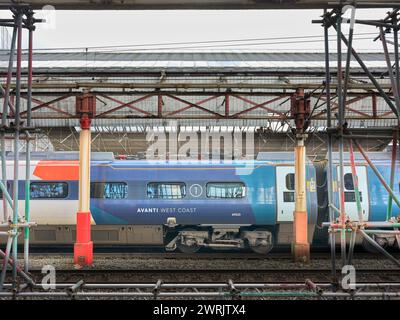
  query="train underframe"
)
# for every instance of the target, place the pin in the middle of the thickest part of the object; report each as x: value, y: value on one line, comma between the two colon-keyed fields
x: 191, y: 239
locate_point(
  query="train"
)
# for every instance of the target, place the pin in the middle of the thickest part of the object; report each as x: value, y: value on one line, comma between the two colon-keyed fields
x: 193, y: 204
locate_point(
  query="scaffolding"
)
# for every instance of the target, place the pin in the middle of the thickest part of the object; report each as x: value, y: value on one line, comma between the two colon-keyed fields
x: 339, y: 222
x: 12, y: 126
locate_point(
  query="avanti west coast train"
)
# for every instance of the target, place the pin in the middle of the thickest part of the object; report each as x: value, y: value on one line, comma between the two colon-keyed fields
x: 191, y: 204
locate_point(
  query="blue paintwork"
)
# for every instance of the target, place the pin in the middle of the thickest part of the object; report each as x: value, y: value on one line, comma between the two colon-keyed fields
x: 258, y: 207
x: 378, y: 196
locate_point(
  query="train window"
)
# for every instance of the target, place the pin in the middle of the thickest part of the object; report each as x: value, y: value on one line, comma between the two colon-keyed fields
x: 226, y: 190
x: 108, y: 190
x: 1, y: 194
x: 288, y: 196
x: 166, y: 190
x: 350, y: 196
x: 49, y: 190
x: 348, y: 181
x: 290, y: 181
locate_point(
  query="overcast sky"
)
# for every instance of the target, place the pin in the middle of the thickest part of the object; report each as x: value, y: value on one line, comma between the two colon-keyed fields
x: 105, y: 28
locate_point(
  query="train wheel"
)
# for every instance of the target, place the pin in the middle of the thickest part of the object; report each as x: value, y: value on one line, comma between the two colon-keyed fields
x: 186, y: 248
x: 262, y: 246
x: 261, y: 249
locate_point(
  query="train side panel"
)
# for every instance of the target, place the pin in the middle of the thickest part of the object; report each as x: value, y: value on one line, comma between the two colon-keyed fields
x: 374, y: 196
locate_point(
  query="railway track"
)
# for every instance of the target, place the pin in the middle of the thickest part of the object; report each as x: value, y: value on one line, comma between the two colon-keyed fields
x: 274, y: 275
x: 178, y: 256
x: 292, y: 283
x: 114, y: 253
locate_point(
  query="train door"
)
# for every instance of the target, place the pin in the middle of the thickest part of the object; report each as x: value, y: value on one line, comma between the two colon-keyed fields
x: 350, y: 203
x: 285, y: 193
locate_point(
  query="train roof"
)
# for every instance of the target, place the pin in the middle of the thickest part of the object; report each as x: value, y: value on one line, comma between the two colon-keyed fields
x: 272, y: 157
x: 109, y: 156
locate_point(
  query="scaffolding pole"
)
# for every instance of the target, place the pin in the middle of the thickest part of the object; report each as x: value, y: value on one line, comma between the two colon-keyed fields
x: 340, y: 95
x: 31, y: 27
x: 332, y: 235
x: 17, y: 125
x: 6, y: 92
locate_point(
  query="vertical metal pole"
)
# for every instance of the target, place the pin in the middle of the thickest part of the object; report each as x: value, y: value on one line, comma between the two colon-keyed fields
x: 227, y: 104
x: 329, y: 171
x: 4, y: 118
x: 397, y: 70
x: 392, y: 174
x: 159, y: 104
x: 341, y: 145
x: 27, y: 149
x: 301, y: 246
x: 396, y: 52
x: 83, y: 248
x: 16, y: 149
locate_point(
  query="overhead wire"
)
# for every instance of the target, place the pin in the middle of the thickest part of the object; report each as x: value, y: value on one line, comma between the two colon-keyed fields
x: 224, y: 45
x: 199, y: 44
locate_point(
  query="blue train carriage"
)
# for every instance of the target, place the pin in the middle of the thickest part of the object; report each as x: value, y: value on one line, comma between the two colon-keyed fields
x: 374, y: 197
x: 185, y: 205
x: 203, y: 204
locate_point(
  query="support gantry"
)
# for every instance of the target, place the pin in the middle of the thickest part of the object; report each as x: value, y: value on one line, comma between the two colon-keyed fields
x: 83, y: 248
x: 300, y: 109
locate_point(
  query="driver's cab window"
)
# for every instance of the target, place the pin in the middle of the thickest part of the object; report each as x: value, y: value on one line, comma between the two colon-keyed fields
x: 349, y: 193
x: 288, y: 196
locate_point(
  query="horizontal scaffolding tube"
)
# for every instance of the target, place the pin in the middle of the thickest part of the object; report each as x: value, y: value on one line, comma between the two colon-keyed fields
x: 222, y: 294
x: 183, y: 285
x: 371, y: 224
x: 92, y: 286
x: 19, y: 225
x: 383, y: 231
